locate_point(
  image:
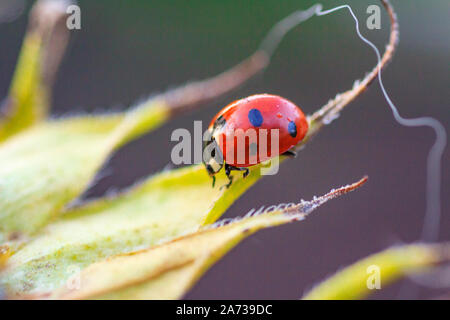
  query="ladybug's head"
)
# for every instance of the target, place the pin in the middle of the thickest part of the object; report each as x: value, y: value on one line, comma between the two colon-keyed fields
x: 212, y: 156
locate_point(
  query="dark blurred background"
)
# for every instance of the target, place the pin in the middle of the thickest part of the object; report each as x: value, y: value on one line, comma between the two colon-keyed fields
x: 127, y: 50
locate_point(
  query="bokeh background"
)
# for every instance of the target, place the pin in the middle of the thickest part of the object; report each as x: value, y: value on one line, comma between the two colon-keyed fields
x: 127, y: 50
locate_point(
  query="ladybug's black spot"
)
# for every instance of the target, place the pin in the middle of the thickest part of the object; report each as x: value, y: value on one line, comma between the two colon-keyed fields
x: 292, y: 129
x: 255, y: 117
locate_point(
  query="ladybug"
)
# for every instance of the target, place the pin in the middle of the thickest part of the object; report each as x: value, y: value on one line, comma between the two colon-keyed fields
x: 241, y: 134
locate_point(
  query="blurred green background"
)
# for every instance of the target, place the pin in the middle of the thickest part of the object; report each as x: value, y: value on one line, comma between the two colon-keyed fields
x: 127, y: 50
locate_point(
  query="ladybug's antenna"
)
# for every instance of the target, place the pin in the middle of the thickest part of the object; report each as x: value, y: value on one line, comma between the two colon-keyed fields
x: 430, y: 229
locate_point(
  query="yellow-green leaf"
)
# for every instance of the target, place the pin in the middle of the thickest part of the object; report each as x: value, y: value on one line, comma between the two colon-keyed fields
x: 47, y: 166
x: 166, y: 206
x: 28, y: 100
x: 354, y: 281
x: 167, y: 271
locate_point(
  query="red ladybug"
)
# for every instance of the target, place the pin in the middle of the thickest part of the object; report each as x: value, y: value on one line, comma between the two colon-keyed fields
x: 241, y: 134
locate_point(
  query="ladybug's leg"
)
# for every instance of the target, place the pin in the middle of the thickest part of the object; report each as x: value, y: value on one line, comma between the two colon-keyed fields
x: 246, y: 171
x: 290, y: 154
x: 229, y: 176
x: 228, y: 170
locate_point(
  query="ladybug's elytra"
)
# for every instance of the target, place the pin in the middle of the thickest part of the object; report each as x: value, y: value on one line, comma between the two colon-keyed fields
x: 246, y: 119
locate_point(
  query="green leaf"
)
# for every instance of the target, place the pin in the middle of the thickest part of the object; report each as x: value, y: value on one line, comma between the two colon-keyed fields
x: 28, y: 100
x: 393, y: 263
x: 164, y: 207
x: 49, y: 165
x: 168, y: 270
